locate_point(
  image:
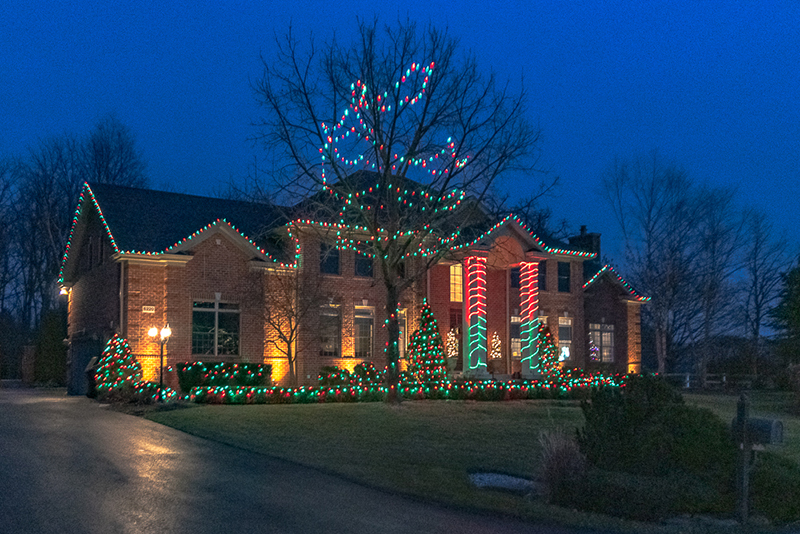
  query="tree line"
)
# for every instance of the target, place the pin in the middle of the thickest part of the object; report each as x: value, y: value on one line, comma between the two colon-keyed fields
x: 712, y: 268
x: 39, y: 191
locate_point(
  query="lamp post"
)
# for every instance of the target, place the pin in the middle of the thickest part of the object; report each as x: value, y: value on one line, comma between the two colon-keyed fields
x: 163, y: 338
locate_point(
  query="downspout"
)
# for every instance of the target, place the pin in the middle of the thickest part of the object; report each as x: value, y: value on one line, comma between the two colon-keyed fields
x: 121, y: 326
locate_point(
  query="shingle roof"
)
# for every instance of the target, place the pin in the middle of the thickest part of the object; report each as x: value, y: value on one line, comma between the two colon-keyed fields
x: 145, y: 220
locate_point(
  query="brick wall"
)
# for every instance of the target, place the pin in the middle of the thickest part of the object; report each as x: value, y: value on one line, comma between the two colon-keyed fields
x: 607, y: 303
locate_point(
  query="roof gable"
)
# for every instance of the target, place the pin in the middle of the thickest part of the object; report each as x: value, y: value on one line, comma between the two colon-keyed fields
x: 609, y: 273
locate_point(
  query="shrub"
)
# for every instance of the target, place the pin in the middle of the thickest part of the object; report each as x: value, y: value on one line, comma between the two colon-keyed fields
x: 366, y: 374
x: 215, y: 374
x: 775, y: 488
x: 562, y: 466
x: 330, y: 375
x: 645, y: 428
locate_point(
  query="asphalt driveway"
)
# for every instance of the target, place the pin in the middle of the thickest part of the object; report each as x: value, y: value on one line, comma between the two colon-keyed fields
x: 69, y: 464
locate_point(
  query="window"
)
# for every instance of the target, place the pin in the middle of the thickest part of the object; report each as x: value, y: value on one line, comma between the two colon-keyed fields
x: 514, y: 275
x: 363, y: 264
x: 601, y: 341
x: 363, y: 323
x: 564, y: 338
x: 456, y: 283
x: 543, y: 275
x: 402, y: 341
x: 330, y: 331
x: 215, y: 328
x: 328, y: 259
x: 563, y: 277
x: 516, y: 337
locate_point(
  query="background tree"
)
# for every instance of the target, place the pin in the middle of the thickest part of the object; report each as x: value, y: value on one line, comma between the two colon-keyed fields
x: 764, y: 259
x: 658, y: 214
x: 402, y: 104
x: 718, y: 231
x: 786, y: 315
x: 110, y: 155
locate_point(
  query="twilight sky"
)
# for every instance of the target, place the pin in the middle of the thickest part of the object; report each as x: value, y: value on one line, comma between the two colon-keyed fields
x: 712, y: 85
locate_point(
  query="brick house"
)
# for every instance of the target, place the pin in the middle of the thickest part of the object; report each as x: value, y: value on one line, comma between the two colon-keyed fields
x: 211, y: 269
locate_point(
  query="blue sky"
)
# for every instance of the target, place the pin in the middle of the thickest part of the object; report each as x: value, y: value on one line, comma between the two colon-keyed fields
x: 714, y: 86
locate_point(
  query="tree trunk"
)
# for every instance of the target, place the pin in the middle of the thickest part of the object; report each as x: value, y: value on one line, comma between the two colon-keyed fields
x: 392, y: 349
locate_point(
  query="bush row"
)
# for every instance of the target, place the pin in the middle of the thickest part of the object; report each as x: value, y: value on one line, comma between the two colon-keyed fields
x: 448, y: 390
x: 217, y: 374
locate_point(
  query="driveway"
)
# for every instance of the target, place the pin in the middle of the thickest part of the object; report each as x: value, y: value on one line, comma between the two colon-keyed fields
x: 69, y: 464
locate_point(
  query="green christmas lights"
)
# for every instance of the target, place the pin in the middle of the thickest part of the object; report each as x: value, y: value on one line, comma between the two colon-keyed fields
x: 426, y: 350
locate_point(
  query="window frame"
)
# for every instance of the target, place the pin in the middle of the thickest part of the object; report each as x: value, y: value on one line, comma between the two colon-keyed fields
x: 564, y: 327
x: 564, y: 279
x: 598, y: 333
x: 361, y: 315
x: 456, y: 282
x: 220, y: 307
x: 335, y: 312
x: 327, y: 253
x: 363, y: 263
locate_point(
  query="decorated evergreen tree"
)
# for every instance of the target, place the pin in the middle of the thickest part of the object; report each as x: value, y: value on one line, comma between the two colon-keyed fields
x: 426, y: 351
x: 117, y: 368
x: 548, y: 354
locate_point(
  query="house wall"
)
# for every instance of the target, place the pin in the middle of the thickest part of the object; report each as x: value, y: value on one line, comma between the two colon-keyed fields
x: 607, y: 303
x: 555, y: 304
x: 346, y: 291
x: 217, y: 266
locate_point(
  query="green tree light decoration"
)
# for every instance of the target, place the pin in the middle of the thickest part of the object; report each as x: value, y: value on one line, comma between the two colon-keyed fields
x: 117, y: 367
x: 426, y: 350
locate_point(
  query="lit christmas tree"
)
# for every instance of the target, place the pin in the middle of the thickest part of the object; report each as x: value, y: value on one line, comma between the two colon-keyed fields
x: 547, y: 354
x: 496, y: 346
x: 117, y: 367
x: 426, y: 351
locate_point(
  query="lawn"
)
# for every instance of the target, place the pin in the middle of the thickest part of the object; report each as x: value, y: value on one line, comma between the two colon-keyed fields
x: 426, y: 448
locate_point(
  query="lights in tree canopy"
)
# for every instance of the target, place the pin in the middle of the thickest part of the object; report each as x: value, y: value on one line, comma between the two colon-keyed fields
x: 609, y: 269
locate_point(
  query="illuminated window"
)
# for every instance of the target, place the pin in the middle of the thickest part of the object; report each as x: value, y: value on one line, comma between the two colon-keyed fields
x: 215, y: 328
x: 563, y: 277
x: 328, y: 259
x: 402, y: 341
x: 330, y: 331
x: 564, y: 338
x: 516, y: 337
x: 602, y: 336
x: 363, y: 323
x: 456, y: 283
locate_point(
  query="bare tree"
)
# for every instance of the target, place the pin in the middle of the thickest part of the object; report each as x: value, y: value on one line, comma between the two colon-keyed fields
x: 657, y: 212
x: 718, y: 231
x: 288, y: 302
x: 425, y: 126
x: 765, y: 258
x: 7, y: 201
x: 110, y: 155
x: 50, y: 183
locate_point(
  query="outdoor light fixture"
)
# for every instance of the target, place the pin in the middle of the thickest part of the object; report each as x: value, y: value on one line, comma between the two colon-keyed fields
x: 164, y: 337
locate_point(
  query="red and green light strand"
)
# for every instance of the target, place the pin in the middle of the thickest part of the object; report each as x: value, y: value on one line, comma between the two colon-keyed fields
x: 529, y: 293
x: 476, y: 312
x: 118, y: 371
x: 609, y: 269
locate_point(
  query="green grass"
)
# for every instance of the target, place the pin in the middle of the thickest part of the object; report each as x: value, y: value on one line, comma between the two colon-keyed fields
x: 425, y: 449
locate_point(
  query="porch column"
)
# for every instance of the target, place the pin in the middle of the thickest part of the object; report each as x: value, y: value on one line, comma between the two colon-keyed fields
x: 529, y: 327
x: 475, y: 358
